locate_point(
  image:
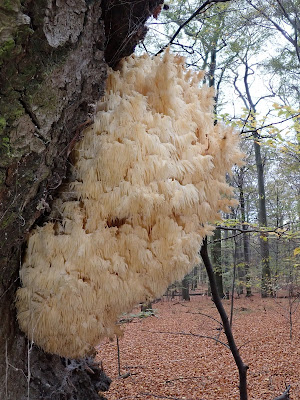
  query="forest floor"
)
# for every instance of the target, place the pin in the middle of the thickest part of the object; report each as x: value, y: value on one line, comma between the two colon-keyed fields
x: 162, y: 358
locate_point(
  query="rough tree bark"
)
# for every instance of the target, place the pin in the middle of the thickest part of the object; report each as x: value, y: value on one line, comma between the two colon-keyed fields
x: 185, y: 289
x: 53, y: 62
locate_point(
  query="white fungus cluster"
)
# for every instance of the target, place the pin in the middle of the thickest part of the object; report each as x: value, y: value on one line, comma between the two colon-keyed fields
x: 149, y: 175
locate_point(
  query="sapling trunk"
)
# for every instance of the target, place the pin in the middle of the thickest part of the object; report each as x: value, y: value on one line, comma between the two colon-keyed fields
x: 242, y: 368
x: 233, y: 284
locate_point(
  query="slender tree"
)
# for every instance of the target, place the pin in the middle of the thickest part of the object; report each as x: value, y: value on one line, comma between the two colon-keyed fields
x: 242, y: 368
x: 246, y: 241
x: 251, y: 105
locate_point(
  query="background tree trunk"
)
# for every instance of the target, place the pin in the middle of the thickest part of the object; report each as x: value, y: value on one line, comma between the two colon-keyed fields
x: 52, y: 68
x: 266, y: 284
x: 246, y: 241
x: 216, y: 254
x: 185, y: 288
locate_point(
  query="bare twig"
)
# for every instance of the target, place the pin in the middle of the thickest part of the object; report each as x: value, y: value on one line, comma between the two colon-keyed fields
x: 189, y: 334
x: 124, y: 376
x: 285, y: 395
x: 204, y: 7
x: 287, y: 36
x: 119, y: 361
x: 276, y: 230
x: 268, y: 125
x: 205, y: 315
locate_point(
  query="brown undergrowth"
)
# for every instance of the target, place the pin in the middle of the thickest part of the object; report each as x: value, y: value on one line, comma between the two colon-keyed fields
x: 159, y: 362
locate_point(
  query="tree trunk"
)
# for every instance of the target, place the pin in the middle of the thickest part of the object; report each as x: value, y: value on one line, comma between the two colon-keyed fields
x: 52, y: 68
x: 195, y: 279
x: 216, y: 249
x: 242, y: 368
x: 246, y: 244
x: 266, y: 289
x: 185, y: 289
x: 216, y: 253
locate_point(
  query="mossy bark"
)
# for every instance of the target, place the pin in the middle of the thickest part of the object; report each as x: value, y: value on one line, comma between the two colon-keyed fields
x: 52, y: 68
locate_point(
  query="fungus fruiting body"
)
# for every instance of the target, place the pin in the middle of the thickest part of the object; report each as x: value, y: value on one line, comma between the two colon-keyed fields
x: 148, y: 177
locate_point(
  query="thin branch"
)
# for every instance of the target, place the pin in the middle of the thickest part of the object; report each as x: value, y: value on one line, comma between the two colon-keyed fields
x: 119, y: 360
x: 274, y: 123
x: 264, y: 97
x: 285, y: 394
x: 245, y: 344
x: 282, y: 31
x: 200, y: 10
x: 190, y: 334
x: 246, y: 120
x: 258, y: 230
x: 205, y: 315
x: 240, y: 94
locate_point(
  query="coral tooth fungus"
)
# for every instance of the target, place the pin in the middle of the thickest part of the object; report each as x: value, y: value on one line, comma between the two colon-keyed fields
x: 148, y: 178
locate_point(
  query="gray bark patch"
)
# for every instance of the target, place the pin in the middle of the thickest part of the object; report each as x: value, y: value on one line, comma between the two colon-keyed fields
x: 64, y: 21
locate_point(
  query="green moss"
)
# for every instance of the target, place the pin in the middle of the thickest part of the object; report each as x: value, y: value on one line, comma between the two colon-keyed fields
x: 10, y: 110
x: 5, y: 144
x: 10, y: 5
x: 17, y: 113
x: 6, y: 48
x: 43, y: 96
x: 2, y: 124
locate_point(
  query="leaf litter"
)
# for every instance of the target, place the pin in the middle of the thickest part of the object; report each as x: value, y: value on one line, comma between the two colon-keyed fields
x: 178, y: 354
